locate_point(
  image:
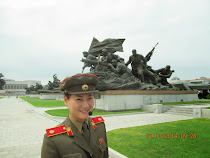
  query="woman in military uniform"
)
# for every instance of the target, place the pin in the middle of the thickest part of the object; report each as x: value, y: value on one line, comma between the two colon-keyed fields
x: 79, y: 136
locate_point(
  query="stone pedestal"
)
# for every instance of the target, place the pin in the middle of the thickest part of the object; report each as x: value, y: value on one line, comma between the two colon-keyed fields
x: 119, y: 100
x: 201, y: 112
x: 157, y: 108
x: 197, y: 112
x: 51, y: 96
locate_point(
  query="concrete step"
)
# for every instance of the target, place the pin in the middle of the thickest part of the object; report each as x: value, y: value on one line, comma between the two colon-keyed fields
x: 178, y: 107
x: 180, y: 111
x: 176, y: 113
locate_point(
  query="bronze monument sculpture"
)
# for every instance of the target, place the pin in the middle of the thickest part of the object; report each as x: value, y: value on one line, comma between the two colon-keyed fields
x: 114, y: 73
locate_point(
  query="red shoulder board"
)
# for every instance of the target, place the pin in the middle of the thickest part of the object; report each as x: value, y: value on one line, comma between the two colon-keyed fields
x: 56, y: 130
x: 97, y: 120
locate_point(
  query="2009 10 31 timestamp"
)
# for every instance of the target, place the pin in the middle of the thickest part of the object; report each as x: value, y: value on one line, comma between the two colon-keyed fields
x: 171, y: 135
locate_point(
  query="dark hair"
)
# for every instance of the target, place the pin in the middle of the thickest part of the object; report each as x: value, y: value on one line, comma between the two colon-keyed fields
x: 67, y: 95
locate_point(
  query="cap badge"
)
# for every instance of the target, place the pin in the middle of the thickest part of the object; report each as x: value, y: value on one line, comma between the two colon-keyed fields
x: 85, y: 87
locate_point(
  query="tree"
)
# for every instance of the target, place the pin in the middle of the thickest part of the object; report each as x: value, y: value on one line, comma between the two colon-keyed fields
x: 38, y: 87
x: 2, y: 82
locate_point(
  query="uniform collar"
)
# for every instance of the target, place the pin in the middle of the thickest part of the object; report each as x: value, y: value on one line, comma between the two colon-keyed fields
x: 78, y: 124
x: 78, y: 139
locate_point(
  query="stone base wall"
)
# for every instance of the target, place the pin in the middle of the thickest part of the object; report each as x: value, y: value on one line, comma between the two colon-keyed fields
x: 34, y: 95
x: 206, y: 113
x: 51, y: 96
x: 151, y: 108
x: 119, y: 102
x: 130, y: 100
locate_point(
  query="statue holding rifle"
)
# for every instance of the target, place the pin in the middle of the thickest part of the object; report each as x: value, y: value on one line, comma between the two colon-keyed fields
x: 139, y: 66
x: 148, y: 56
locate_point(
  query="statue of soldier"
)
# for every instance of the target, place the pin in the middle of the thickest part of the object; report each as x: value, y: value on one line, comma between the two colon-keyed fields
x: 139, y: 67
x: 118, y: 68
x: 90, y: 61
x: 106, y: 56
x: 50, y: 85
x: 163, y: 74
x: 56, y: 81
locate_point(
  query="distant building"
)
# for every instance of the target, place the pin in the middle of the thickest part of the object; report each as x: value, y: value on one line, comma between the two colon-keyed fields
x: 202, y: 85
x: 196, y: 84
x: 175, y: 78
x: 13, y: 87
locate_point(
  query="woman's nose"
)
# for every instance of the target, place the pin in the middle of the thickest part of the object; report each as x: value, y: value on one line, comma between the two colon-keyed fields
x: 85, y: 103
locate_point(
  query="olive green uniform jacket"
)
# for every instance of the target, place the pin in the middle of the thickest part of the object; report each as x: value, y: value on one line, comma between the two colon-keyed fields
x: 74, y: 145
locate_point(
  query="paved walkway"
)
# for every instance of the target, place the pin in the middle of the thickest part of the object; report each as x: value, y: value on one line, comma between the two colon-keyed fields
x: 22, y: 126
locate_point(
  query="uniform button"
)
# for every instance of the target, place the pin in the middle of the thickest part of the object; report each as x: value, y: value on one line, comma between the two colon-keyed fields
x: 64, y: 128
x: 68, y: 129
x: 99, y: 119
x: 51, y: 131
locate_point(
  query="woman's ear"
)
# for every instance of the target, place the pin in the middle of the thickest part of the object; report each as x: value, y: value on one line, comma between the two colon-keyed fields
x: 65, y: 100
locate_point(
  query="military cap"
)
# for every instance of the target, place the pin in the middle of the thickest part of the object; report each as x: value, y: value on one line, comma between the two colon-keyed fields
x: 79, y: 83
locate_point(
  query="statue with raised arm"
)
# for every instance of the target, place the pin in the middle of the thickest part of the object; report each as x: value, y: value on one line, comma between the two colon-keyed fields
x: 138, y: 64
x: 56, y: 81
x: 149, y: 55
x: 139, y: 67
x: 89, y: 61
x: 106, y: 56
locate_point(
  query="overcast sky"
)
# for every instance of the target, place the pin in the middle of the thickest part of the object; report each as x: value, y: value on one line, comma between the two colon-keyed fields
x: 39, y: 38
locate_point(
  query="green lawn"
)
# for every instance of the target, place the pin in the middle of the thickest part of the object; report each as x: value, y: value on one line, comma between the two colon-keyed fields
x: 43, y: 103
x: 65, y: 112
x: 204, y: 99
x: 1, y: 97
x: 190, y: 102
x: 151, y: 141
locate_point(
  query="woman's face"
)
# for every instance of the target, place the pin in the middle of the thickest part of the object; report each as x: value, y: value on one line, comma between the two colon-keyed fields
x: 80, y: 105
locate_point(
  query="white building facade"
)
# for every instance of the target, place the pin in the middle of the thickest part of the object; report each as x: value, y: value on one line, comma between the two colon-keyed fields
x: 13, y: 87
